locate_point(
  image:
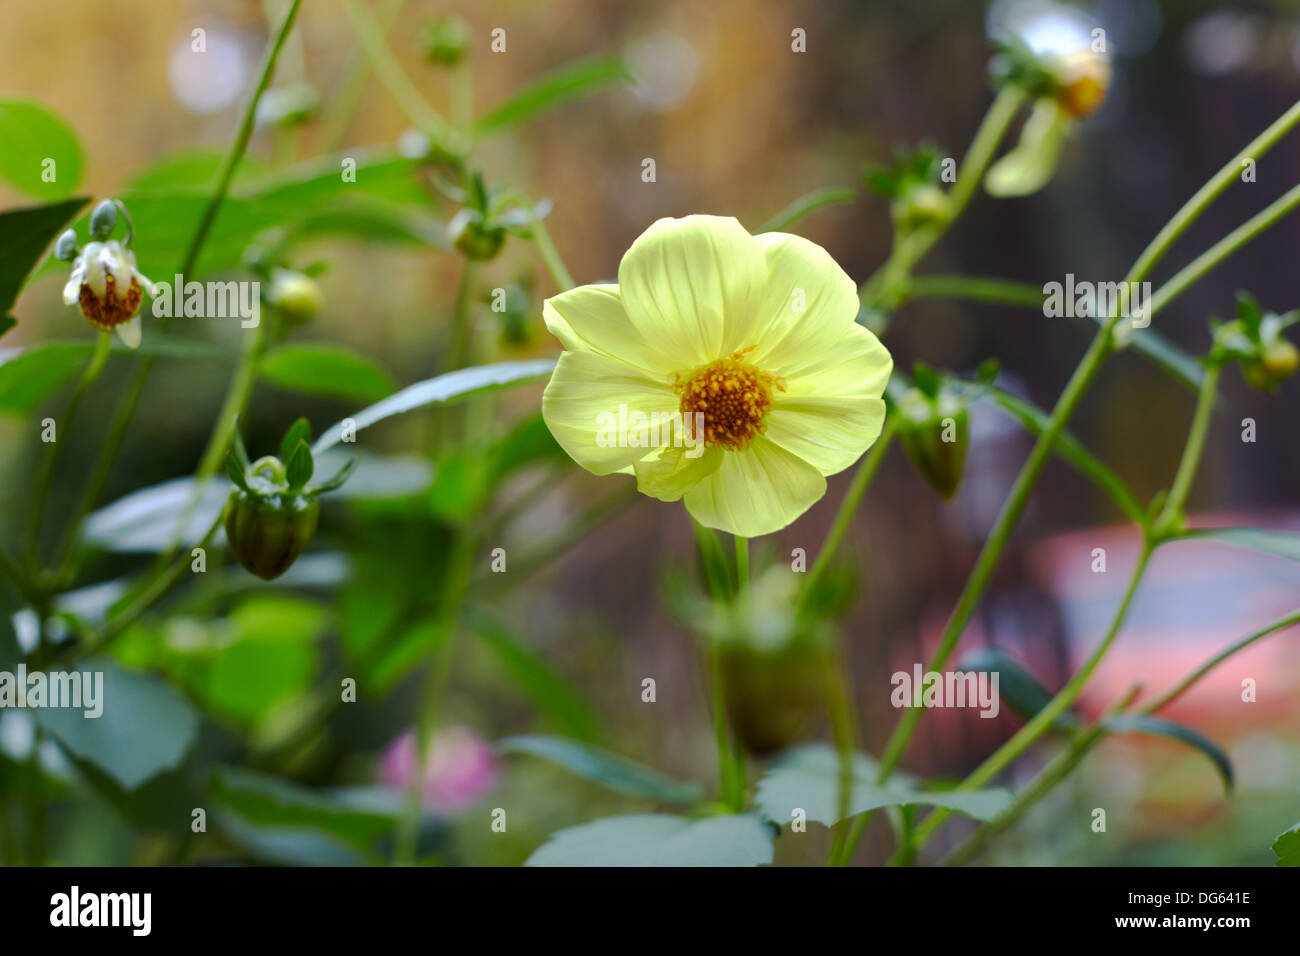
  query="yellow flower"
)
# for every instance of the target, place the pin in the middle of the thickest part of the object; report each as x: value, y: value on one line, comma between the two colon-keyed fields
x: 754, y: 334
x: 107, y: 287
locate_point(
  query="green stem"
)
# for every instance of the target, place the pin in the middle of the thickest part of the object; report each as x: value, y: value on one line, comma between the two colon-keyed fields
x: 974, y: 289
x: 126, y: 406
x: 732, y: 789
x: 1001, y: 758
x: 356, y: 76
x: 551, y: 257
x: 742, y: 563
x: 398, y: 84
x: 839, y: 701
x: 458, y: 346
x: 46, y: 474
x: 443, y: 645
x: 1170, y: 519
x: 862, y: 479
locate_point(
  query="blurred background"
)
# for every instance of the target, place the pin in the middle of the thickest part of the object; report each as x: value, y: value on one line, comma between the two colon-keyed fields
x: 737, y: 124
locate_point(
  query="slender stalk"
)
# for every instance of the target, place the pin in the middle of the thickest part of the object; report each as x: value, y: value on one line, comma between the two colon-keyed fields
x: 839, y: 701
x: 862, y: 479
x: 458, y: 346
x: 117, y: 624
x: 974, y: 289
x: 45, y: 475
x: 551, y: 257
x: 1000, y: 759
x: 1042, y: 784
x: 1170, y: 518
x: 1169, y: 696
x: 356, y: 76
x: 742, y: 563
x: 126, y: 406
x: 731, y: 789
x: 398, y: 84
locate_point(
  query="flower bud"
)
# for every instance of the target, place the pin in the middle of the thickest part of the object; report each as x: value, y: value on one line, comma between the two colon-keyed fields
x: 296, y: 295
x: 66, y: 247
x: 474, y: 237
x: 934, y: 433
x: 103, y: 220
x: 268, y: 534
x: 922, y: 205
x: 446, y: 40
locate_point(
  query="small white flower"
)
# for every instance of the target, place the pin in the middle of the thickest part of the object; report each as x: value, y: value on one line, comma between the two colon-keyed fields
x: 107, y: 287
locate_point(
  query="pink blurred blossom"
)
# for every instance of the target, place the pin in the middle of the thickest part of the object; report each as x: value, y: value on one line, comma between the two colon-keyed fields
x: 461, y: 769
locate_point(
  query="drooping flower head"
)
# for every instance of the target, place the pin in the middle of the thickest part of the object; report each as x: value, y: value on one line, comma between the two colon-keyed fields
x: 754, y: 334
x: 462, y: 768
x: 105, y: 283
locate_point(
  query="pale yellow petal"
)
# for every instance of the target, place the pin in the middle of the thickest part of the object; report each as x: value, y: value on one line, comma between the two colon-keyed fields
x: 756, y: 491
x: 130, y: 332
x: 829, y: 433
x: 591, y: 318
x: 690, y: 286
x: 807, y: 298
x: 588, y: 395
x: 675, y: 470
x: 836, y: 363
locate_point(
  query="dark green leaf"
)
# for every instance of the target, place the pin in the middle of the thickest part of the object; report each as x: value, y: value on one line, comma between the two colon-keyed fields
x: 1158, y: 727
x: 25, y: 234
x: 36, y: 374
x: 1019, y: 688
x: 567, y: 83
x: 299, y: 431
x: 340, y: 477
x: 238, y: 476
x: 599, y: 766
x: 299, y: 467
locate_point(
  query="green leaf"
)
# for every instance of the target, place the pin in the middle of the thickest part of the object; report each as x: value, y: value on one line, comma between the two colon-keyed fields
x: 1019, y: 688
x: 328, y: 370
x: 451, y: 387
x: 25, y: 234
x: 660, y: 840
x: 238, y: 476
x: 808, y: 779
x: 355, y: 815
x: 1068, y: 447
x: 806, y: 204
x: 569, y: 82
x: 146, y: 727
x: 299, y: 431
x: 299, y: 468
x: 600, y: 766
x: 1284, y: 544
x: 33, y: 136
x: 1287, y: 847
x: 555, y: 697
x: 340, y: 478
x: 1164, y: 353
x: 35, y: 374
x: 1158, y: 727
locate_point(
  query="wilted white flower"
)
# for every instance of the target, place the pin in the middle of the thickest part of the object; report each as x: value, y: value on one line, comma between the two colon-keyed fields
x: 107, y: 287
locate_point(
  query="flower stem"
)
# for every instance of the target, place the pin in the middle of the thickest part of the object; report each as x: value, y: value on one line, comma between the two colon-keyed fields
x: 839, y: 700
x: 398, y: 84
x: 974, y: 289
x: 356, y: 74
x: 551, y: 257
x: 742, y: 563
x: 46, y: 474
x: 1170, y: 519
x: 862, y: 479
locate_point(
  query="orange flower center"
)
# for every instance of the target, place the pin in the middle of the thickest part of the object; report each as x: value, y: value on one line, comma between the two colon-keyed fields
x: 112, y: 310
x: 734, y: 398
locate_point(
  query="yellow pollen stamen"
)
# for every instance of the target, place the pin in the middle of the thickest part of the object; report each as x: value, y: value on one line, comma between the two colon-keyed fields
x: 734, y: 398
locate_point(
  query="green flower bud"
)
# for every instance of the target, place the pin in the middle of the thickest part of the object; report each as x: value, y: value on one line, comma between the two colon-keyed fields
x: 267, y: 534
x: 474, y: 237
x: 922, y: 205
x: 446, y: 40
x: 296, y: 295
x: 66, y: 247
x: 934, y: 433
x: 1281, y: 360
x: 103, y: 220
x: 774, y: 697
